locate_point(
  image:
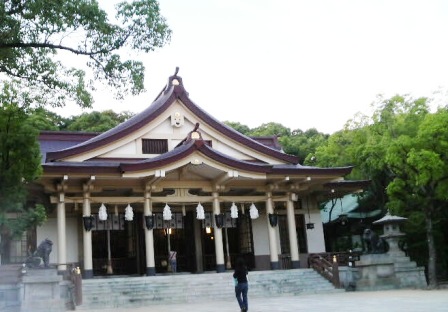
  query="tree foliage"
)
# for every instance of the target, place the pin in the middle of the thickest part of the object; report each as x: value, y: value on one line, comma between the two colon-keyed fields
x: 43, y: 119
x: 96, y: 121
x: 269, y: 129
x: 420, y: 185
x: 402, y: 150
x: 32, y: 33
x: 19, y: 164
x: 238, y: 127
x: 303, y: 144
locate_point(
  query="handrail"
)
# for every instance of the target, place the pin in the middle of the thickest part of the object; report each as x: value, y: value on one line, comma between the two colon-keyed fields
x: 329, y: 270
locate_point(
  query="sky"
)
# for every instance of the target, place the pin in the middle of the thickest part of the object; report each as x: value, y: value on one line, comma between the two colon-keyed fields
x: 303, y: 64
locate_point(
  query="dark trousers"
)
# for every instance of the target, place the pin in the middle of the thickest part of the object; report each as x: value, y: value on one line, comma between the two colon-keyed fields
x: 241, y: 295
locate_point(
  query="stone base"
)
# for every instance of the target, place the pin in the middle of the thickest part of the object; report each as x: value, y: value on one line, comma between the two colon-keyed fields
x: 41, y: 291
x: 388, y: 271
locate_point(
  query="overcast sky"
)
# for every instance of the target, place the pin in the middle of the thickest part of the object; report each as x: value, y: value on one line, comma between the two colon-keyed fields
x: 303, y: 64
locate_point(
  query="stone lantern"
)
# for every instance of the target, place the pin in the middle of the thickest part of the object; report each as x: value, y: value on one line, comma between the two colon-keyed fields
x: 393, y: 269
x: 392, y: 234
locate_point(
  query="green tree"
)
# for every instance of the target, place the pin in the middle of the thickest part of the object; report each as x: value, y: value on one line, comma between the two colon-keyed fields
x: 401, y: 149
x: 43, y: 119
x: 299, y: 143
x: 238, y: 127
x: 269, y: 129
x: 420, y: 185
x: 32, y: 33
x: 19, y: 164
x: 97, y: 121
x: 303, y: 143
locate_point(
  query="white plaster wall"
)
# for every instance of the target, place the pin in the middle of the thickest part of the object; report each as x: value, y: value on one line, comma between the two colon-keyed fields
x: 163, y: 128
x: 230, y: 151
x: 315, y: 237
x: 129, y: 148
x: 260, y: 236
x: 49, y: 230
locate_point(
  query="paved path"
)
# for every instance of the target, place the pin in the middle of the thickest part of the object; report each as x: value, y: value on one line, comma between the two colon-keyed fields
x: 361, y: 301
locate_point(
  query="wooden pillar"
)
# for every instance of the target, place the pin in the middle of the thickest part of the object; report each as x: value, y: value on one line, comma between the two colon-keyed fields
x: 219, y: 246
x: 197, y: 227
x: 62, y: 230
x: 87, y: 238
x: 149, y: 239
x: 292, y: 232
x: 271, y: 233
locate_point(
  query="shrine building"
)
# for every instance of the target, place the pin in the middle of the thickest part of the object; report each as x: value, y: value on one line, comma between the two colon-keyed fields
x: 175, y: 178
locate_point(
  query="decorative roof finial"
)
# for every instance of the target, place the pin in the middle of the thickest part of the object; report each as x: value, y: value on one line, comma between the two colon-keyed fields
x: 177, y: 70
x: 196, y: 127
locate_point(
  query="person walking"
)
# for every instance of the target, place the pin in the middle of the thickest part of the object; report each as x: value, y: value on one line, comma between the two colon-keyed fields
x: 241, y: 284
x: 173, y: 260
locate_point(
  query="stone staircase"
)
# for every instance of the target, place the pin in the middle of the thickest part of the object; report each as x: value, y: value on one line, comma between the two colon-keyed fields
x: 9, y: 287
x: 106, y: 293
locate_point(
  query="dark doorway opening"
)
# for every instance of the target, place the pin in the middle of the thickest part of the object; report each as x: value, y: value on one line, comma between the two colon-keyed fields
x: 122, y: 237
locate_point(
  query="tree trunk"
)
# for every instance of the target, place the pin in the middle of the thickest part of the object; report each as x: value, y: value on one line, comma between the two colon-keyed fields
x: 432, y: 253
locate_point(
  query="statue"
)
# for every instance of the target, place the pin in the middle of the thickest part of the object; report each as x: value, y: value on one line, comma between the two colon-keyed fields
x: 42, y: 252
x: 373, y: 243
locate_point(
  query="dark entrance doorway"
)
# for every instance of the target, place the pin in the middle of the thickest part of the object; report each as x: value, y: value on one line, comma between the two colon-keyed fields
x: 237, y: 241
x: 121, y: 238
x: 177, y: 235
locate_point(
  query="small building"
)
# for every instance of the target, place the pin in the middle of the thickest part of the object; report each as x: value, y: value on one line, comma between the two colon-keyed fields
x: 344, y: 222
x: 175, y: 178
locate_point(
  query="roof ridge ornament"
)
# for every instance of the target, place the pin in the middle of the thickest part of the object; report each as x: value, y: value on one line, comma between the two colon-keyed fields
x: 174, y: 81
x: 195, y: 134
x: 192, y: 135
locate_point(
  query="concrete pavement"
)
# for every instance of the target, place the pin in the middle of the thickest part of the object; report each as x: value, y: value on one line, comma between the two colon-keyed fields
x: 358, y: 301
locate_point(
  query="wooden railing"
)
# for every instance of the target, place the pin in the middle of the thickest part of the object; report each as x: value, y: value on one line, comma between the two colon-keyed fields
x: 327, y: 264
x: 328, y: 269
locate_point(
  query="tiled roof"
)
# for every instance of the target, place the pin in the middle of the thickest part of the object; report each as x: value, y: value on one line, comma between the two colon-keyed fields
x: 183, y: 151
x: 172, y: 92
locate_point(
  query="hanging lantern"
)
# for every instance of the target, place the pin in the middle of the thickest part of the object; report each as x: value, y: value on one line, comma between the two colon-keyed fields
x: 219, y: 220
x: 253, y: 211
x: 167, y: 213
x: 149, y: 221
x: 233, y: 211
x: 88, y: 222
x: 309, y: 225
x: 200, y: 215
x: 343, y: 217
x: 102, y: 213
x: 273, y: 219
x: 128, y: 213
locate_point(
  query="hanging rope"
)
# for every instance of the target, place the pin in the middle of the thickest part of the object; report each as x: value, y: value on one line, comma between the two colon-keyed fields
x: 128, y: 213
x: 200, y: 215
x: 253, y: 211
x: 102, y: 213
x: 233, y: 211
x: 167, y: 213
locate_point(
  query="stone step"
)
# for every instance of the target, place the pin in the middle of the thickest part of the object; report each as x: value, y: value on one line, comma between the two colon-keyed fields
x: 177, y: 288
x: 10, y: 274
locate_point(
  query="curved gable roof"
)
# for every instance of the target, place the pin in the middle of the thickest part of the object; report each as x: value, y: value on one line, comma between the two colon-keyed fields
x: 174, y: 90
x: 184, y: 150
x: 191, y: 146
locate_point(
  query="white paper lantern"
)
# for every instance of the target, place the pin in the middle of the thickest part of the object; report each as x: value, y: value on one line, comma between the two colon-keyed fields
x: 167, y: 213
x: 233, y: 211
x: 200, y: 215
x: 253, y: 211
x: 102, y: 213
x: 128, y: 213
